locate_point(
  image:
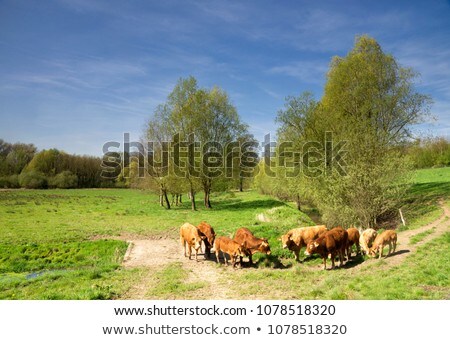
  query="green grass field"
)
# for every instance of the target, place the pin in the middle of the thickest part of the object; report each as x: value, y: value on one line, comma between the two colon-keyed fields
x: 63, y: 244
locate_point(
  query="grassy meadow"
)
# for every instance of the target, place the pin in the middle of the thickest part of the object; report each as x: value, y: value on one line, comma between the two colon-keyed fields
x: 64, y: 244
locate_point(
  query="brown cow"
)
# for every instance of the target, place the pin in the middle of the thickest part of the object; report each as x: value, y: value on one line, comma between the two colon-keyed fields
x: 251, y: 244
x: 296, y: 239
x: 190, y: 236
x: 227, y: 246
x: 353, y: 239
x: 386, y: 237
x: 366, y: 239
x: 207, y: 231
x: 330, y: 244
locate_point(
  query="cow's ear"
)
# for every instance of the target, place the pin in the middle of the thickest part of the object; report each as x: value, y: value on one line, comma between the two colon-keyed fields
x: 265, y: 240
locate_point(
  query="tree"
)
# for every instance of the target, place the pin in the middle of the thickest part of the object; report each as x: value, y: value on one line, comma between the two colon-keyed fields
x: 297, y: 125
x: 369, y: 105
x: 201, y: 122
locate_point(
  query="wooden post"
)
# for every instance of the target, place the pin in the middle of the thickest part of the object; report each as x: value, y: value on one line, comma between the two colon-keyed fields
x: 401, y: 216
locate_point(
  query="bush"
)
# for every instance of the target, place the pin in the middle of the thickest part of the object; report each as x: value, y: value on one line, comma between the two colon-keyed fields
x: 64, y: 180
x: 430, y: 152
x: 9, y: 182
x: 32, y: 180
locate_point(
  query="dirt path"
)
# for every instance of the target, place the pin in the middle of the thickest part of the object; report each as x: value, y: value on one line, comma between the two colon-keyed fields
x: 156, y: 254
x: 404, y: 249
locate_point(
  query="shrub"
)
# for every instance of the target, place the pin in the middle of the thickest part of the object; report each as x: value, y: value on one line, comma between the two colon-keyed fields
x: 32, y: 180
x: 9, y: 181
x: 64, y: 180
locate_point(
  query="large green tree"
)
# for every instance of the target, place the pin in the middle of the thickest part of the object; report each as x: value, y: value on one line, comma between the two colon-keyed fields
x: 370, y: 104
x: 201, y: 122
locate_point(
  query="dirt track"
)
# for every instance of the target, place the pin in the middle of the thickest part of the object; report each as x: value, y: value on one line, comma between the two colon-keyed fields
x: 158, y: 253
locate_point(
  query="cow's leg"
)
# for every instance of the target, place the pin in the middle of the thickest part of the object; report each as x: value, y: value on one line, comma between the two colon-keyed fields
x: 225, y: 260
x: 217, y: 256
x: 189, y: 251
x: 250, y: 259
x: 297, y: 255
x: 380, y: 249
x: 324, y: 263
x: 183, y: 244
x: 196, y: 255
x: 390, y: 249
x: 395, y: 245
x: 332, y: 260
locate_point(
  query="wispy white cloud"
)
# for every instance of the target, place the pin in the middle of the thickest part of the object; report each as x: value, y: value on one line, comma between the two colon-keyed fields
x: 308, y: 71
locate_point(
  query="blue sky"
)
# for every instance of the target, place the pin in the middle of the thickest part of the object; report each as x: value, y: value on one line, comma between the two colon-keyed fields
x: 78, y: 73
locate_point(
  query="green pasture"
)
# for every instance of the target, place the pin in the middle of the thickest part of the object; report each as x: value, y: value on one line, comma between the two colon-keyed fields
x: 63, y: 244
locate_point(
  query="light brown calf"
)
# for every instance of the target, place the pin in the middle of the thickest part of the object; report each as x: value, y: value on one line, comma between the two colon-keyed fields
x: 190, y: 237
x: 251, y: 244
x: 227, y: 246
x: 386, y: 237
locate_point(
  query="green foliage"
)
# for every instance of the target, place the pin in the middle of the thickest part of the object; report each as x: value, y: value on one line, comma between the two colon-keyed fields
x: 14, y: 157
x: 430, y: 152
x: 11, y: 181
x: 64, y: 180
x: 195, y: 115
x: 32, y: 179
x: 368, y: 106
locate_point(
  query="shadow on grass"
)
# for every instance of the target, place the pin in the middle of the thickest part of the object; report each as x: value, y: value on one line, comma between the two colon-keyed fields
x: 399, y: 252
x: 428, y: 192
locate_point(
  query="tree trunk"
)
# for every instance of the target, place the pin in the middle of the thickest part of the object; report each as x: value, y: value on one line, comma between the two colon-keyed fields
x: 191, y: 193
x: 207, y: 190
x: 180, y: 199
x: 297, y: 202
x: 166, y: 199
x: 241, y: 184
x: 207, y: 200
x: 161, y: 201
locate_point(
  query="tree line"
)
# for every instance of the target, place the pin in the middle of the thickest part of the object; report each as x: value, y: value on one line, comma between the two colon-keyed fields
x: 22, y: 166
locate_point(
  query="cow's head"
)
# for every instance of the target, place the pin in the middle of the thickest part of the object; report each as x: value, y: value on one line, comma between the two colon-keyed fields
x: 286, y: 240
x: 196, y: 242
x: 264, y: 247
x: 372, y: 252
x: 311, y: 247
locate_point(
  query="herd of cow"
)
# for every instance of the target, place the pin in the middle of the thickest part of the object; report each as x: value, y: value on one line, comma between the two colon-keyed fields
x: 317, y: 240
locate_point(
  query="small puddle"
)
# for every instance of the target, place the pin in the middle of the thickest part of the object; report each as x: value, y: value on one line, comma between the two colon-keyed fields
x: 34, y: 275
